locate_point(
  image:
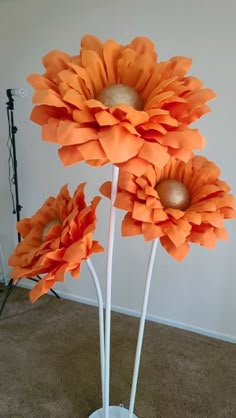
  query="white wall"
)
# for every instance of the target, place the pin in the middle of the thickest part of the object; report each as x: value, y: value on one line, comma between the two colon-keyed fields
x: 199, y: 292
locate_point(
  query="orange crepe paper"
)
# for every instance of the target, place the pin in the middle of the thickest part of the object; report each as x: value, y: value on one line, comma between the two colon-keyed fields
x: 56, y: 240
x: 201, y: 223
x: 67, y: 108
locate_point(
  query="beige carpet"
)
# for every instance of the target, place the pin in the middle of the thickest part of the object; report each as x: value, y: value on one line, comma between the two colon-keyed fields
x: 49, y: 365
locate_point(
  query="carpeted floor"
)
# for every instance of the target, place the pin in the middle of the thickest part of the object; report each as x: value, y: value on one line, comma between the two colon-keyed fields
x: 49, y: 365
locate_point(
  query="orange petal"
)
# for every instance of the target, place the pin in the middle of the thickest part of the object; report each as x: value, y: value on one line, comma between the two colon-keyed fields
x: 144, y: 45
x: 154, y: 153
x: 91, y: 42
x: 48, y: 97
x: 124, y: 201
x: 180, y: 66
x: 74, y: 98
x: 178, y: 253
x: 42, y: 113
x: 105, y: 189
x: 70, y: 155
x: 130, y: 227
x: 49, y: 131
x: 104, y: 118
x: 181, y: 154
x: 151, y: 231
x: 111, y: 53
x: 176, y: 214
x: 207, y: 239
x: 189, y: 139
x: 141, y: 213
x: 92, y: 150
x: 213, y: 218
x: 76, y: 252
x: 176, y: 233
x: 136, y: 117
x: 69, y: 133
x: 119, y: 145
x: 95, y: 69
x: 159, y: 215
x: 83, y: 116
x: 85, y: 78
x: 40, y: 82
x: 136, y: 166
x: 221, y: 234
x: 54, y: 62
x: 127, y: 181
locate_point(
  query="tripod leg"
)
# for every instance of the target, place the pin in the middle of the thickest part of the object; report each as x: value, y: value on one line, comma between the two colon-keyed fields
x: 11, y: 287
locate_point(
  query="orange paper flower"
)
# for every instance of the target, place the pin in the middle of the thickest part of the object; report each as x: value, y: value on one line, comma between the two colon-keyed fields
x: 114, y: 103
x: 56, y: 239
x: 201, y: 222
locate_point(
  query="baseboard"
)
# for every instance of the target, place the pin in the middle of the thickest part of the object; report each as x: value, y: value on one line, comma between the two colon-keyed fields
x: 192, y: 328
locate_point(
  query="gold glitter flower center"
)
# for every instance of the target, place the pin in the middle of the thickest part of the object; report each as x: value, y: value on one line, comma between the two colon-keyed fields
x: 173, y: 194
x: 118, y: 94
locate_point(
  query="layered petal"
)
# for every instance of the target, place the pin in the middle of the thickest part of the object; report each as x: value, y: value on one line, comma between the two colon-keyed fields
x: 70, y: 105
x: 56, y: 240
x: 201, y: 221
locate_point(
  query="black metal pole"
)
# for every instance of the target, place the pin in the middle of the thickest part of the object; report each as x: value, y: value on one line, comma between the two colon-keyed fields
x: 10, y: 107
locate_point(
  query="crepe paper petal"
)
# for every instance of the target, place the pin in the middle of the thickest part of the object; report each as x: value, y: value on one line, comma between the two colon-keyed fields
x: 70, y: 155
x: 154, y: 153
x: 153, y: 203
x: 119, y: 145
x: 70, y: 134
x: 137, y: 166
x: 72, y: 97
x: 68, y: 92
x: 124, y: 202
x: 130, y: 227
x: 221, y: 234
x: 140, y: 212
x: 137, y: 117
x: 111, y: 54
x: 105, y: 189
x: 49, y: 131
x: 91, y: 42
x: 104, y: 118
x: 127, y: 181
x: 176, y: 233
x: 42, y: 114
x: 56, y: 240
x: 191, y: 139
x: 178, y: 253
x: 151, y: 231
x: 92, y: 149
x: 201, y: 222
x: 48, y: 97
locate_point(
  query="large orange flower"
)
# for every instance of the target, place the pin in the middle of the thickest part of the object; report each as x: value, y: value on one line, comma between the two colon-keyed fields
x: 114, y: 103
x: 183, y: 203
x: 55, y: 240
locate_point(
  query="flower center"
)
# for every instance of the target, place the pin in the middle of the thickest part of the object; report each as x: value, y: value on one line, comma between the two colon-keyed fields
x: 118, y: 94
x: 48, y: 227
x: 173, y: 194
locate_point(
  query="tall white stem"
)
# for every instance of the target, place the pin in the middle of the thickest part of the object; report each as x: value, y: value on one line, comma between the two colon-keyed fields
x: 141, y: 327
x: 111, y: 233
x: 101, y: 322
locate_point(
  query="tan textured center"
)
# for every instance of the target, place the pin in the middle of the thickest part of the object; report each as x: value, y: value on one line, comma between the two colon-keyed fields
x: 48, y: 227
x: 119, y: 94
x: 173, y: 194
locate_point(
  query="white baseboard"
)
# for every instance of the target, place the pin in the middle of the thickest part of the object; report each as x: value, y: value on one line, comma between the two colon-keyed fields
x: 192, y: 328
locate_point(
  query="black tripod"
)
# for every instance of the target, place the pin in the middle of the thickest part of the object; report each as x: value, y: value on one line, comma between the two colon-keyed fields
x: 13, y: 179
